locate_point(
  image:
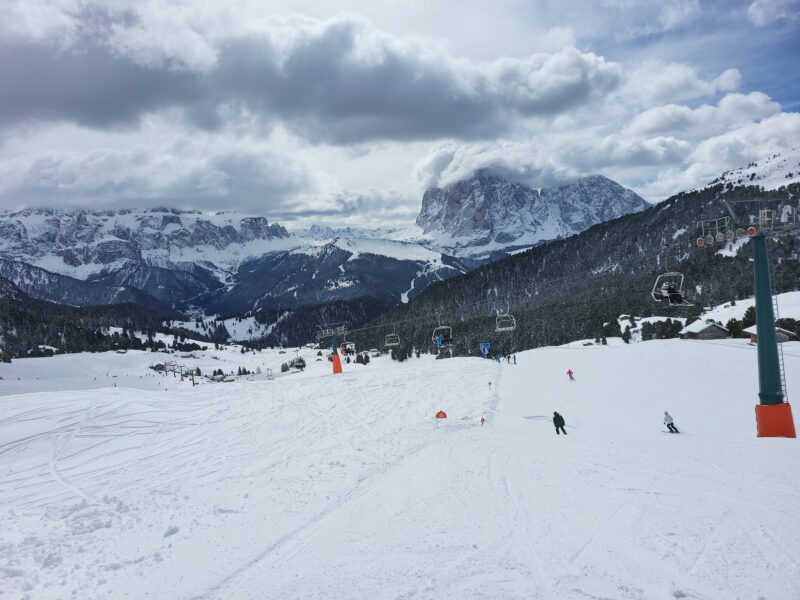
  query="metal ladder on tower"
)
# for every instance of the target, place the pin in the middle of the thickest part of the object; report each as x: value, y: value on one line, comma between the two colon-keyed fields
x: 772, y: 269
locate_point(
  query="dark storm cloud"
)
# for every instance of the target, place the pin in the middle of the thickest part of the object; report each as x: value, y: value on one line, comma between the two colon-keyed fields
x: 330, y: 85
x: 88, y: 86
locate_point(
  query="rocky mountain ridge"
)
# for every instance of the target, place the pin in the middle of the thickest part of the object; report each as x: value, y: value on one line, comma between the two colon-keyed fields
x: 487, y: 212
x: 80, y: 243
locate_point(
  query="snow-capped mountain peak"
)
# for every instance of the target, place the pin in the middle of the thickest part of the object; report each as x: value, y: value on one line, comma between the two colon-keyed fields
x: 486, y: 212
x: 83, y: 243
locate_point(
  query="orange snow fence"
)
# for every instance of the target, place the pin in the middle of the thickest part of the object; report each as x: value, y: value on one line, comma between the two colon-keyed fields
x: 441, y: 415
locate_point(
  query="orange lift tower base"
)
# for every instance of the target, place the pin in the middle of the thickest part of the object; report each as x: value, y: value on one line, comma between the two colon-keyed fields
x: 336, y: 360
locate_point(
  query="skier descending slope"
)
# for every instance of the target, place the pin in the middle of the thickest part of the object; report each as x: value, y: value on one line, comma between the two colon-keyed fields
x: 559, y: 422
x: 670, y: 423
x: 571, y: 378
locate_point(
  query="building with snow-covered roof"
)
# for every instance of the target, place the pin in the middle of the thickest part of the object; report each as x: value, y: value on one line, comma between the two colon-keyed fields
x: 704, y: 330
x: 782, y: 335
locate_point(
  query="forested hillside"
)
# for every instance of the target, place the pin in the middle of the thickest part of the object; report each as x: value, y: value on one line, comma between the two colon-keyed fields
x: 30, y: 327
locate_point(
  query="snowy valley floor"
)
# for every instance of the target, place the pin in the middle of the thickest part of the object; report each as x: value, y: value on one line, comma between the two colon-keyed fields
x: 315, y: 486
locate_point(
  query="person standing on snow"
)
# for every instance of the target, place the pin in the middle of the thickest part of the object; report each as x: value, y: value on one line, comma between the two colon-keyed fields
x: 559, y: 422
x: 571, y: 378
x: 670, y: 423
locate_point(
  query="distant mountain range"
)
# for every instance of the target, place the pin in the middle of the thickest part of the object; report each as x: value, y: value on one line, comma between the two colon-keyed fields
x: 232, y: 264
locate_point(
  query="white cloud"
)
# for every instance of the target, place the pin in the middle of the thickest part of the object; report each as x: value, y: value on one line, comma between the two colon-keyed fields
x: 348, y: 116
x: 40, y: 20
x: 539, y: 163
x: 155, y: 40
x: 672, y: 147
x: 693, y: 123
x: 656, y: 83
x: 676, y: 13
x: 338, y: 80
x: 734, y: 148
x: 764, y: 12
x: 162, y: 164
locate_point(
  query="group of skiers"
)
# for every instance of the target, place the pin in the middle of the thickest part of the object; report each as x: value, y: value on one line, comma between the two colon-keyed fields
x: 559, y: 423
x: 510, y: 359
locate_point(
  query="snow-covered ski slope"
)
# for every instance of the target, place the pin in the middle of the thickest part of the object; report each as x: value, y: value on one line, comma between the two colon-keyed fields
x: 770, y: 173
x: 315, y: 486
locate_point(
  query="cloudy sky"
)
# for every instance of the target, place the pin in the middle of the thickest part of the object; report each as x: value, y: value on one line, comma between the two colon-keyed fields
x: 345, y: 111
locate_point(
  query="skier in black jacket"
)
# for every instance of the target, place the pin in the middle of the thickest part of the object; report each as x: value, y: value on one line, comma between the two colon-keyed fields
x: 558, y: 421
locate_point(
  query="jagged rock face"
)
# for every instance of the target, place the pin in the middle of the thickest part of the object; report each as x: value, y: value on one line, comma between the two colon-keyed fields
x: 104, y: 237
x: 99, y: 257
x: 487, y: 209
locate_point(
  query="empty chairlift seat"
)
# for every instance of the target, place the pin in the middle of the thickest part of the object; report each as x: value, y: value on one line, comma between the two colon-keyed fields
x: 505, y: 323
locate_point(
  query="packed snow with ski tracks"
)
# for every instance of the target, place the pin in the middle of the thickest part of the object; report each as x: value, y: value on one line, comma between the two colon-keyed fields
x: 319, y: 486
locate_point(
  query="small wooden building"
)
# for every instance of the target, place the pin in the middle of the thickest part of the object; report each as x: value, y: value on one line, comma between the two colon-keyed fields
x: 783, y: 335
x: 704, y: 330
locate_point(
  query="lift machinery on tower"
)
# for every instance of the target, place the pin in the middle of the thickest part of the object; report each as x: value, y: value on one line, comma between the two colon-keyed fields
x: 757, y: 219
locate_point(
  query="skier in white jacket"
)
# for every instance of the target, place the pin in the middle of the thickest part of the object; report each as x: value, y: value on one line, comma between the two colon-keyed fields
x: 670, y: 423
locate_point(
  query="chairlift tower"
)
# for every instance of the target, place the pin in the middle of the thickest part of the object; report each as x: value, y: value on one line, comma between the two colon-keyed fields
x: 757, y: 219
x: 333, y: 331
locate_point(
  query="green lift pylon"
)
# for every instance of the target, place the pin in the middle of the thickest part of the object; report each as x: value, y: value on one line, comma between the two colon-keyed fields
x: 772, y: 217
x: 773, y: 415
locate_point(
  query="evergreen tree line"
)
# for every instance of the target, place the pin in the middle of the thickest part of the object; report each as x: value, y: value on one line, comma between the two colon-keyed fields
x: 26, y: 324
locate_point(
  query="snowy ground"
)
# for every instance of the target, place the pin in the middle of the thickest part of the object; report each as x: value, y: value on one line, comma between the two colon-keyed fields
x: 315, y: 486
x: 131, y: 370
x: 788, y: 307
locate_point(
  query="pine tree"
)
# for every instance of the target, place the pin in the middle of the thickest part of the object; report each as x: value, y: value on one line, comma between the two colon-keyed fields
x: 734, y: 326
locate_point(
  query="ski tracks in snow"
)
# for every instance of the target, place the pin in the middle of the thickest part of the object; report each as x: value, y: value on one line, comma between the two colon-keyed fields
x: 360, y: 422
x: 347, y: 487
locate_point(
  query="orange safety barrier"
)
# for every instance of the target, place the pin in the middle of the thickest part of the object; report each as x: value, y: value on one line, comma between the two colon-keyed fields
x: 775, y: 420
x: 337, y: 363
